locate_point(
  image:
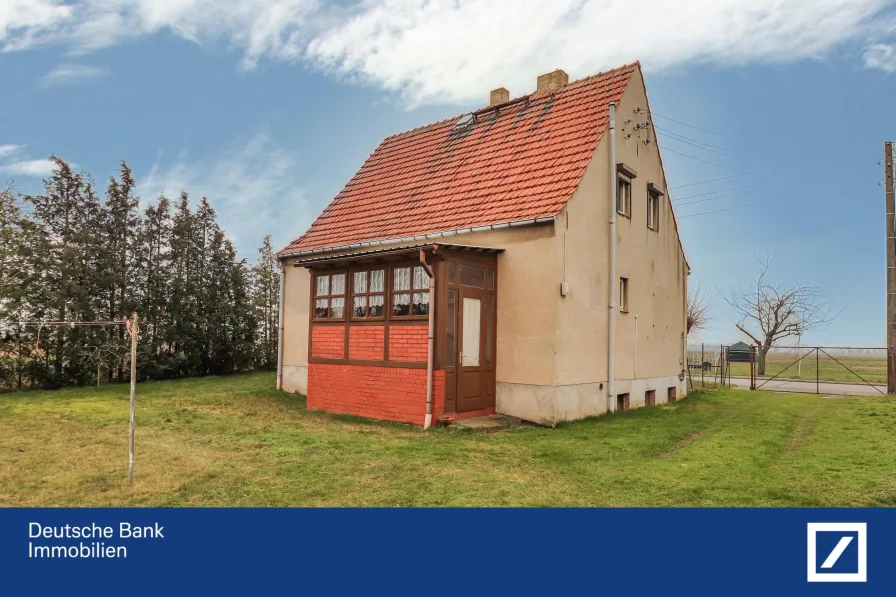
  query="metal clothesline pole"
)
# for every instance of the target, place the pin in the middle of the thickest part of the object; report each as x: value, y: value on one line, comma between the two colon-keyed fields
x: 133, y: 329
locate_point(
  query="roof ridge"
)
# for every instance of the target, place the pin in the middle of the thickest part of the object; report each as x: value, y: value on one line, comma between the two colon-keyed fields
x: 511, y: 100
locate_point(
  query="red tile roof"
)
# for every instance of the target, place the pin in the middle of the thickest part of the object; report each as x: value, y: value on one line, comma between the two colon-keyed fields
x: 520, y: 162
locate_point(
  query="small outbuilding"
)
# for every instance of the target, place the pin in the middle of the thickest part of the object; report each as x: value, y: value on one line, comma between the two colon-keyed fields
x: 739, y: 352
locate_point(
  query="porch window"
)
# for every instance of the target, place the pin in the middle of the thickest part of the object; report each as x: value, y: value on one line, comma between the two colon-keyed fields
x: 329, y: 296
x: 410, y: 291
x: 368, y: 293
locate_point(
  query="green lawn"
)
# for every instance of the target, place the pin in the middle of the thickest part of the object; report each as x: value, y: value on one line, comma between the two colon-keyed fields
x: 235, y: 442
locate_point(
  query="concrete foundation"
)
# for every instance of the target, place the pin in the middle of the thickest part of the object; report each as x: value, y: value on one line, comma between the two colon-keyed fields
x: 549, y: 405
x: 295, y: 378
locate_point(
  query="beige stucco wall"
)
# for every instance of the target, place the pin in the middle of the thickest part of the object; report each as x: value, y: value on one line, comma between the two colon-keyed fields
x: 552, y: 349
x: 648, y: 336
x: 296, y: 297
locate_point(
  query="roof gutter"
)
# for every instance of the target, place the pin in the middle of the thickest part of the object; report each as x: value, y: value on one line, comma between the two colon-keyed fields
x: 419, y: 237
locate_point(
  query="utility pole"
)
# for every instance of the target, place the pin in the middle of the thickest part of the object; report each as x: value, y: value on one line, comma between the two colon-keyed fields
x: 891, y: 264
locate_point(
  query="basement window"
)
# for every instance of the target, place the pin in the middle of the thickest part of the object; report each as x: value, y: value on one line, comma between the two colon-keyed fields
x: 622, y: 402
x: 650, y: 398
x: 410, y: 291
x: 623, y: 295
x: 329, y: 296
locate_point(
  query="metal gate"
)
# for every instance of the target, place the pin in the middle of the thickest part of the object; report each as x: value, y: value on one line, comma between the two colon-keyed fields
x: 831, y: 370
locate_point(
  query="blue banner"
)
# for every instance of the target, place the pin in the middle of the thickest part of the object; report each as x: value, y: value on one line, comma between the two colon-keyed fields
x: 425, y: 551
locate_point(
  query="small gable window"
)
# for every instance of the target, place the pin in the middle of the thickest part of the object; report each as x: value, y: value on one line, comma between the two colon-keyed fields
x: 623, y: 196
x: 624, y: 176
x: 329, y: 296
x: 653, y: 207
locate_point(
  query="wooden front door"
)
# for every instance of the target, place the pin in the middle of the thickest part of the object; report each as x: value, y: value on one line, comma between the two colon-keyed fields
x: 472, y: 377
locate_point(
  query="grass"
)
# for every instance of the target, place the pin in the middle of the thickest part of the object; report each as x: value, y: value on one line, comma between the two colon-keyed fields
x: 235, y: 442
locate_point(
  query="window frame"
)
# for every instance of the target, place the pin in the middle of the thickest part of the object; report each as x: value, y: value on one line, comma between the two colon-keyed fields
x: 622, y: 299
x: 411, y: 291
x: 653, y: 206
x: 624, y: 182
x: 329, y: 297
x: 368, y: 293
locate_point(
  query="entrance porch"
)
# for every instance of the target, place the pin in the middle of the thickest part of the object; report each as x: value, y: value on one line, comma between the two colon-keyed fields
x: 406, y: 334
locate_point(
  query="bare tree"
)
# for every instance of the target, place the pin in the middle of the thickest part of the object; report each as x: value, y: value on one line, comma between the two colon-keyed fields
x: 778, y: 311
x: 109, y: 356
x: 698, y: 310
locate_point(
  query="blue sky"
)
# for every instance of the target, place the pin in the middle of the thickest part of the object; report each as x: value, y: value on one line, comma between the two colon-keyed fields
x: 269, y: 106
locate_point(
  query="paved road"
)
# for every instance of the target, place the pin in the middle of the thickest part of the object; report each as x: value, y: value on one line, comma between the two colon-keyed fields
x: 829, y: 388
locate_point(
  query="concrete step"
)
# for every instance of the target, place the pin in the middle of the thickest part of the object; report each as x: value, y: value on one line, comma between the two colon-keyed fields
x: 488, y: 423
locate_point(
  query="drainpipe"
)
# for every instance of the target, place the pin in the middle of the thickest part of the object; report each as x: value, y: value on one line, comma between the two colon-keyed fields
x: 280, y: 328
x: 635, y: 366
x: 427, y: 422
x: 611, y: 324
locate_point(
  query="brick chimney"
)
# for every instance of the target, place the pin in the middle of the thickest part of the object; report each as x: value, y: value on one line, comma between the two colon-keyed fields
x: 499, y: 96
x: 551, y: 81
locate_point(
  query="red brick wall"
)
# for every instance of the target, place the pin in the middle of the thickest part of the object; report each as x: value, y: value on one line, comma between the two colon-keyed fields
x: 328, y: 341
x: 408, y: 342
x: 389, y: 393
x: 366, y: 342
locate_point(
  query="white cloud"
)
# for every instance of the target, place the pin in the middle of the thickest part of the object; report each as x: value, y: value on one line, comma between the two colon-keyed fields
x: 456, y: 50
x: 37, y: 168
x: 73, y: 74
x: 882, y: 56
x: 252, y: 186
x: 8, y: 150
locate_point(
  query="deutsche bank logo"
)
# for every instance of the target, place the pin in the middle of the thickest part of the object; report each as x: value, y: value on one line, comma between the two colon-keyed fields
x: 837, y: 551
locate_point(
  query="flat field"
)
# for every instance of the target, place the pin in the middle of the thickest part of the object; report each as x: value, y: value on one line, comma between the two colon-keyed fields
x: 233, y: 441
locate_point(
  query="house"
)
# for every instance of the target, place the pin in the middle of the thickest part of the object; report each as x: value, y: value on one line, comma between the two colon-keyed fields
x: 513, y: 259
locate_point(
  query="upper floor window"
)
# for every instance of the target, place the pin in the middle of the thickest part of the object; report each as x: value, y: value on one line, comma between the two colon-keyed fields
x: 624, y: 176
x: 329, y: 296
x: 653, y: 207
x: 410, y: 291
x: 624, y: 196
x: 368, y: 293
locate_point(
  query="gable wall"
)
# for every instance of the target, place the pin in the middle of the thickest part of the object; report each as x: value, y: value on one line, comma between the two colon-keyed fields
x: 652, y: 261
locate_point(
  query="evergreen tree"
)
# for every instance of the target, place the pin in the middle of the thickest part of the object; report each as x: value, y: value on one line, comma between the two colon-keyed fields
x: 265, y: 301
x: 72, y: 258
x: 120, y: 224
x: 60, y: 248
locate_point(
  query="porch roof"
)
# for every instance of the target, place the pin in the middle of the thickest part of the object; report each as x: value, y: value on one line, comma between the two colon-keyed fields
x: 396, y: 251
